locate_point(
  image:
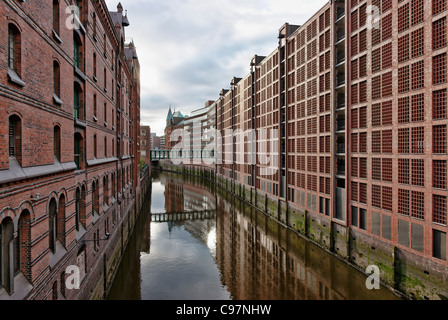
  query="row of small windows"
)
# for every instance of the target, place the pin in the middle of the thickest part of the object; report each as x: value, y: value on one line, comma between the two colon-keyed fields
x: 15, y: 143
x: 14, y: 57
x: 15, y: 245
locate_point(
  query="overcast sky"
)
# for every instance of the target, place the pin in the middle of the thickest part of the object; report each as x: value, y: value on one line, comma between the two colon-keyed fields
x: 191, y: 49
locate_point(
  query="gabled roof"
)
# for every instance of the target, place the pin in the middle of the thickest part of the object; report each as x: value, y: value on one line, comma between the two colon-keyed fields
x: 178, y: 114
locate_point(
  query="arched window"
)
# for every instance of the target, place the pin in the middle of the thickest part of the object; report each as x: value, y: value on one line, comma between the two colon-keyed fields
x: 52, y: 225
x: 6, y: 250
x: 105, y: 147
x: 106, y: 190
x: 78, y: 153
x: 15, y: 137
x: 94, y: 24
x: 105, y: 113
x: 14, y: 49
x: 95, y: 147
x: 105, y: 80
x: 56, y: 17
x: 61, y: 221
x: 94, y: 66
x: 57, y: 142
x: 77, y: 209
x: 95, y: 198
x: 95, y: 106
x: 78, y: 50
x: 57, y: 82
x: 23, y: 245
x: 82, y: 209
x: 78, y: 102
x: 113, y: 184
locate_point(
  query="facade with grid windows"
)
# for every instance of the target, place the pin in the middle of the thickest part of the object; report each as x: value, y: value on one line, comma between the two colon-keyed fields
x: 357, y: 116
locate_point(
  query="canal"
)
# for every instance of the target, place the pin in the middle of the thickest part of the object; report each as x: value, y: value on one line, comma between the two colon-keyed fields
x: 197, y: 242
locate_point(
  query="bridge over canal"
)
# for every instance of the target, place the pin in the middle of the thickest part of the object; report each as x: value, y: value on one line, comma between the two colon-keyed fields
x: 183, y: 216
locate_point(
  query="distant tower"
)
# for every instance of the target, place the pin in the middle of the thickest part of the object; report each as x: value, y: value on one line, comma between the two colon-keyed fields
x: 169, y: 118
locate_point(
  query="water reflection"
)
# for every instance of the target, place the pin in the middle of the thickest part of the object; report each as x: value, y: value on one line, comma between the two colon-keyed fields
x: 241, y: 255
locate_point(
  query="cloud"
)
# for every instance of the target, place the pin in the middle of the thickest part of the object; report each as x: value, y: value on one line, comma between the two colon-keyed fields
x: 190, y: 49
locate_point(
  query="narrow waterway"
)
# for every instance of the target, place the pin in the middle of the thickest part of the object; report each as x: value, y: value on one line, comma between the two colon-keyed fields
x: 214, y: 247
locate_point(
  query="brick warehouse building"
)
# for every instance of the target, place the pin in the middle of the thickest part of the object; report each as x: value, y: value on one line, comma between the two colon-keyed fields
x: 70, y: 184
x: 358, y: 140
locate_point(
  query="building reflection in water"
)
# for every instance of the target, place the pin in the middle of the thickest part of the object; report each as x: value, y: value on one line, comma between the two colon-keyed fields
x: 253, y: 257
x: 261, y: 260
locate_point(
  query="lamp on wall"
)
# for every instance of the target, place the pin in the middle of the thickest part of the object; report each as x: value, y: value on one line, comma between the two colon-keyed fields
x: 107, y: 239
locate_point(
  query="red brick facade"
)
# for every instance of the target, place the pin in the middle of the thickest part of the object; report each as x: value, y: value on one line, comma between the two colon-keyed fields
x: 69, y: 128
x: 361, y: 120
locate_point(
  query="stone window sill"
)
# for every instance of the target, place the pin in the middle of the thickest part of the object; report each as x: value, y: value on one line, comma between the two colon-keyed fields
x: 14, y: 78
x: 57, y: 100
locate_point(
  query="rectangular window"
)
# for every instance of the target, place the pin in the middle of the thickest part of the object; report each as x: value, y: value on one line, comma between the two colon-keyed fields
x: 440, y: 174
x: 403, y: 141
x: 376, y: 87
x: 355, y: 193
x: 439, y: 209
x: 403, y: 79
x: 386, y: 27
x: 363, y: 168
x: 417, y: 11
x: 439, y: 104
x: 355, y: 45
x: 418, y: 172
x: 418, y: 45
x: 363, y: 219
x: 418, y: 108
x: 403, y: 171
x: 56, y: 14
x: 376, y: 142
x: 403, y: 18
x: 362, y: 41
x: 376, y: 169
x: 387, y: 197
x: 418, y: 205
x: 363, y: 193
x: 355, y: 168
x: 403, y: 49
x: 438, y: 6
x: 439, y: 69
x: 403, y: 202
x: 418, y: 75
x: 403, y: 110
x: 387, y: 227
x: 376, y: 60
x: 440, y: 140
x: 376, y: 115
x: 355, y: 216
x: 439, y: 34
x: 387, y: 170
x: 355, y: 143
x: 387, y: 84
x: 387, y: 56
x: 387, y: 142
x: 418, y: 140
x: 386, y: 113
x: 376, y: 196
x: 363, y: 142
x: 439, y: 245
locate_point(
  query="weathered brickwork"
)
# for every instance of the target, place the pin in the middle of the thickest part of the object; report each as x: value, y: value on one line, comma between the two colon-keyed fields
x: 357, y: 112
x: 70, y: 181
